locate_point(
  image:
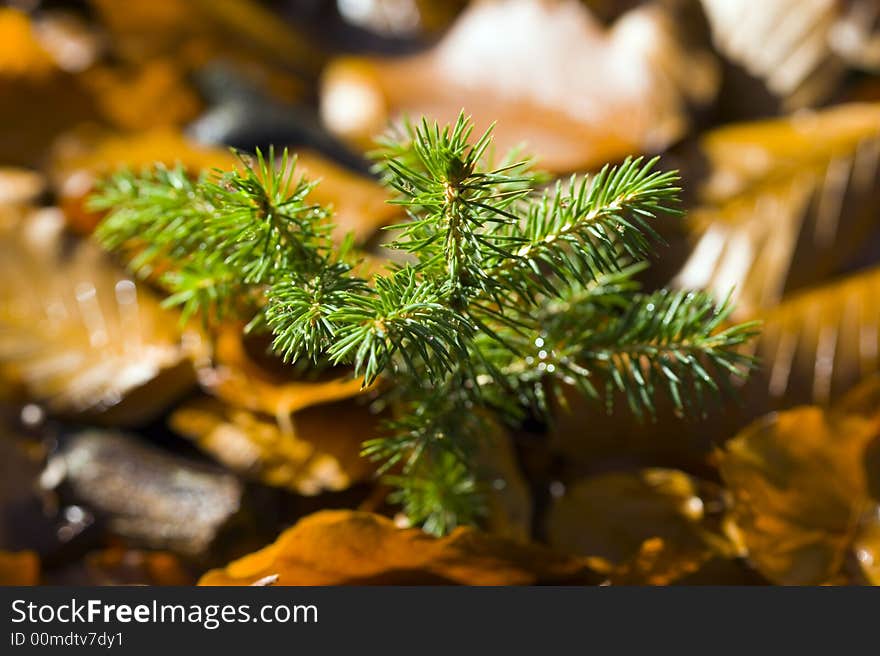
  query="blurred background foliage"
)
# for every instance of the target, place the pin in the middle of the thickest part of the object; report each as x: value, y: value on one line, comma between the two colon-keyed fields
x: 137, y: 449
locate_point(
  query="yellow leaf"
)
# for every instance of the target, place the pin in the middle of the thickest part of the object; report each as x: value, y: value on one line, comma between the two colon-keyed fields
x: 788, y: 201
x: 817, y: 344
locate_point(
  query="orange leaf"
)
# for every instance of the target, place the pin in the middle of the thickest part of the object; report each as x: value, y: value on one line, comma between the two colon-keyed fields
x: 341, y: 547
x: 358, y: 202
x: 122, y: 566
x: 241, y: 381
x: 21, y: 54
x: 19, y: 568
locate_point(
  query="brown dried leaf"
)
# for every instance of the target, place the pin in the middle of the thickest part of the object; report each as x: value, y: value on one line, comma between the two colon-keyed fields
x: 122, y: 566
x: 360, y: 205
x: 652, y: 526
x: 788, y: 202
x: 321, y: 454
x: 80, y: 335
x: 550, y: 75
x: 800, y: 491
x: 156, y: 94
x: 818, y: 344
x: 341, y: 547
x: 19, y: 568
x: 241, y: 381
x: 300, y: 434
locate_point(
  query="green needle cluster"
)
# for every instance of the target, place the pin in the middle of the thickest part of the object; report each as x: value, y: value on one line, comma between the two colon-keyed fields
x: 510, y: 291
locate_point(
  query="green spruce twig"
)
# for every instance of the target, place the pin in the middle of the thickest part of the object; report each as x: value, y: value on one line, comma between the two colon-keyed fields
x: 512, y: 293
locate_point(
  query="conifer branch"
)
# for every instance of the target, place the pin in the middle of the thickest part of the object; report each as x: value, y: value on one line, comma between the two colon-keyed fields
x: 513, y: 293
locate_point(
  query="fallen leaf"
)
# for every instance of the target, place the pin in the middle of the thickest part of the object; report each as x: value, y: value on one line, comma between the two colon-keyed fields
x: 800, y: 490
x: 788, y: 202
x: 197, y: 32
x: 656, y: 563
x: 800, y: 50
x: 81, y: 157
x: 156, y: 94
x: 651, y: 526
x: 267, y: 421
x: 21, y: 53
x: 19, y: 568
x: 101, y: 152
x: 122, y: 566
x: 817, y: 344
x: 584, y: 438
x: 341, y: 547
x: 551, y: 76
x: 321, y: 454
x: 240, y: 380
x: 80, y: 335
x: 360, y: 205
